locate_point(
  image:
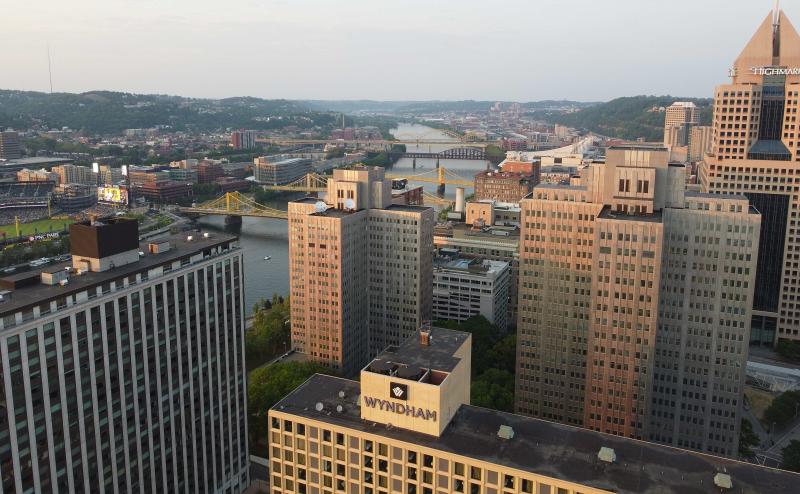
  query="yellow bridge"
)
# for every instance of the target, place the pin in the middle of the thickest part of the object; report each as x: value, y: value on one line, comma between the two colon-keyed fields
x: 440, y: 176
x: 235, y: 204
x: 311, y: 182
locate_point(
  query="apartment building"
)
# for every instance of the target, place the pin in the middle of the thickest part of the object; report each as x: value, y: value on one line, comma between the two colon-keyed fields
x: 280, y: 172
x: 10, y: 148
x: 755, y: 153
x: 406, y: 427
x: 619, y: 272
x: 360, y: 269
x: 679, y: 119
x: 76, y: 174
x: 504, y: 186
x: 123, y: 370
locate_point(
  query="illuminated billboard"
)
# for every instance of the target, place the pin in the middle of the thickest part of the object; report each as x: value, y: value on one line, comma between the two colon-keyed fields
x: 112, y: 195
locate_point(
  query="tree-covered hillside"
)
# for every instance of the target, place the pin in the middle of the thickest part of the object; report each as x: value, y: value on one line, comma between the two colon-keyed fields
x: 629, y: 117
x: 111, y: 112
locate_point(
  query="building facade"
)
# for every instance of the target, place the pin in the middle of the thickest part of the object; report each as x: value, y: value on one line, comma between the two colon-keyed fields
x: 126, y: 373
x: 679, y: 119
x: 755, y: 153
x: 700, y: 141
x: 360, y: 269
x: 10, y: 148
x: 626, y: 281
x: 76, y: 174
x: 280, y: 172
x: 243, y: 139
x: 406, y: 427
x: 42, y: 175
x: 504, y: 186
x: 466, y: 287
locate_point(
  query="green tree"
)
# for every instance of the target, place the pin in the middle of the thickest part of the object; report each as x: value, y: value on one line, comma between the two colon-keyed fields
x: 747, y: 439
x: 789, y: 349
x: 495, y: 154
x: 783, y: 409
x: 269, y: 334
x: 268, y: 385
x: 493, y: 389
x: 504, y: 353
x: 791, y: 456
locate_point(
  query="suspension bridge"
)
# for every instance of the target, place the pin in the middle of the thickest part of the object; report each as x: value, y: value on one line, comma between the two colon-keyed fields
x: 310, y: 182
x: 234, y: 205
x: 440, y: 176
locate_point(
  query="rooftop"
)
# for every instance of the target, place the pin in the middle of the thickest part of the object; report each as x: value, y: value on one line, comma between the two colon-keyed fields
x: 38, y: 293
x: 437, y: 356
x: 469, y: 264
x: 406, y: 207
x: 609, y: 213
x: 464, y: 231
x: 547, y: 448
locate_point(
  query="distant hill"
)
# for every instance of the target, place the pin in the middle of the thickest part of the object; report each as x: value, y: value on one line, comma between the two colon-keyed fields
x: 627, y: 118
x: 111, y: 112
x: 353, y: 106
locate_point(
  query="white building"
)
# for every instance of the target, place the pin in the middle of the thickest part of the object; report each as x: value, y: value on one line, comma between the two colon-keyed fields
x: 464, y: 287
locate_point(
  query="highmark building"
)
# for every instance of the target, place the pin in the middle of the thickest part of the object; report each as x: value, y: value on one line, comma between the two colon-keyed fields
x: 123, y: 370
x: 406, y: 428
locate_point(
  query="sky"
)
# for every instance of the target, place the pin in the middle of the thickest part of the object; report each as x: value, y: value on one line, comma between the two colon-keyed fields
x: 514, y: 50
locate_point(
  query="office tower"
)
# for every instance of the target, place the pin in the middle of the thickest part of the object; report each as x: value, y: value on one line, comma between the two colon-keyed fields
x: 125, y: 372
x: 9, y: 145
x: 464, y: 287
x: 505, y: 186
x: 700, y: 139
x: 109, y: 175
x: 243, y: 139
x: 360, y: 269
x: 755, y: 153
x: 406, y: 427
x: 680, y: 117
x: 634, y: 304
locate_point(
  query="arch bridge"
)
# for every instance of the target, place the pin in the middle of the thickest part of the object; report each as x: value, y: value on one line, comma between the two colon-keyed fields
x: 234, y: 204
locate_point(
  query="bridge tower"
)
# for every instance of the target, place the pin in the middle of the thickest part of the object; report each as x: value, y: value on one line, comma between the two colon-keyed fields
x: 437, y: 162
x: 414, y: 164
x: 440, y: 189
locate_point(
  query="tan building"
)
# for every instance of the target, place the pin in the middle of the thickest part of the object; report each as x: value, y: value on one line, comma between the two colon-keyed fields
x: 76, y: 174
x: 407, y: 428
x: 619, y: 269
x: 679, y: 119
x: 756, y: 148
x: 700, y: 141
x: 360, y: 269
x: 504, y: 186
x: 42, y: 175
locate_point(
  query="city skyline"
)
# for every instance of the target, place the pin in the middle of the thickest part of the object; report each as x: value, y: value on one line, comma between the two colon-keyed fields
x: 178, y: 49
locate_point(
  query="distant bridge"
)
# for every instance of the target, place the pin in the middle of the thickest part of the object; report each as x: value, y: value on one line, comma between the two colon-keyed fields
x: 440, y: 176
x: 372, y: 142
x: 234, y: 204
x: 459, y: 153
x: 310, y: 182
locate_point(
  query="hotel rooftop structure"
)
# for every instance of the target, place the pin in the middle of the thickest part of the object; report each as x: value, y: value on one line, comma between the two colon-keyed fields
x: 406, y: 427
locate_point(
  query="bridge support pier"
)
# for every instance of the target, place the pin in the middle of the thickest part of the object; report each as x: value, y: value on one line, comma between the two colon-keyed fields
x: 233, y: 220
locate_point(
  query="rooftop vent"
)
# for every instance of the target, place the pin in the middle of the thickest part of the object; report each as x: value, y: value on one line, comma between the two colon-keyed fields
x: 342, y: 394
x: 5, y: 295
x: 723, y: 481
x: 319, y: 406
x: 607, y: 455
x: 505, y: 432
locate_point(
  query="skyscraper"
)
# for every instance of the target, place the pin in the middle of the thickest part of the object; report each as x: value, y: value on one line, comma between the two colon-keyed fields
x: 9, y: 145
x: 360, y: 269
x: 125, y: 372
x: 634, y: 303
x: 680, y: 117
x: 756, y: 148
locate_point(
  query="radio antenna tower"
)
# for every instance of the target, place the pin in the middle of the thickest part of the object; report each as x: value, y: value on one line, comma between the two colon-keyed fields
x: 49, y: 69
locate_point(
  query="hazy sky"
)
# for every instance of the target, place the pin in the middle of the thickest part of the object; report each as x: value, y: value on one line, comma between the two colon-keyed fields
x: 378, y: 49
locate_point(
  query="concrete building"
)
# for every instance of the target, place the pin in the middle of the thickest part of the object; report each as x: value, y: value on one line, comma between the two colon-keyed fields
x: 700, y: 140
x: 635, y: 303
x: 208, y: 171
x: 504, y: 186
x: 76, y: 174
x: 406, y: 427
x: 360, y: 269
x: 109, y: 175
x: 10, y: 148
x: 126, y: 372
x: 183, y: 175
x: 524, y: 167
x: 280, y: 172
x: 755, y: 153
x: 164, y: 191
x: 679, y: 119
x: 140, y: 175
x: 464, y: 287
x: 243, y: 139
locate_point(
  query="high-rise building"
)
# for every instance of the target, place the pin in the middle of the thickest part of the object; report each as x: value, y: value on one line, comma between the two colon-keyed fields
x: 407, y: 427
x: 76, y: 174
x: 110, y: 175
x: 360, y: 269
x: 125, y: 372
x: 9, y: 145
x: 635, y: 303
x: 700, y: 140
x: 243, y: 139
x: 280, y: 172
x: 464, y: 287
x: 756, y: 148
x: 679, y: 119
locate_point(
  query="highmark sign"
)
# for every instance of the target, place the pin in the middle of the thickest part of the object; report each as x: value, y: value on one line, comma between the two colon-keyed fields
x: 400, y: 408
x: 775, y: 70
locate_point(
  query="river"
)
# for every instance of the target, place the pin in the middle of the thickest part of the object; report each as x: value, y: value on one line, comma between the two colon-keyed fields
x: 261, y: 237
